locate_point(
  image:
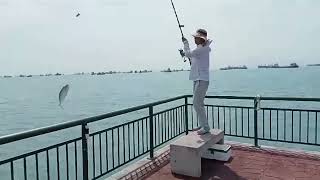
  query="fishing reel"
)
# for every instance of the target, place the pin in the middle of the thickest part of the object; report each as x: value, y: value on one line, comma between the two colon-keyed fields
x: 183, y: 55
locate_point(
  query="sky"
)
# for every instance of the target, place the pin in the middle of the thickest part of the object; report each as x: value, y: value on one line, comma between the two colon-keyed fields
x: 45, y: 36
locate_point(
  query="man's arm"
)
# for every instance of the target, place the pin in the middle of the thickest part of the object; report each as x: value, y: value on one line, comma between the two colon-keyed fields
x: 192, y: 53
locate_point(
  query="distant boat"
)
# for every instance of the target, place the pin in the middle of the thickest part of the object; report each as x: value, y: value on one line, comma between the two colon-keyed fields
x: 292, y: 65
x: 313, y: 65
x: 233, y: 67
x: 145, y: 71
x: 79, y: 73
x: 172, y: 70
x: 168, y: 70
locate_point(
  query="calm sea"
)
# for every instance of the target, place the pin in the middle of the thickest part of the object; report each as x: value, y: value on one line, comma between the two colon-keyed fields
x: 28, y: 103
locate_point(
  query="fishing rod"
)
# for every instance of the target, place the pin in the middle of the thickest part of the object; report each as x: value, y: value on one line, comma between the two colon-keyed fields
x: 180, y: 27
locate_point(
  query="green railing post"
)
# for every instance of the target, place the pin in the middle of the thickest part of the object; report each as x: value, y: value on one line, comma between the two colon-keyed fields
x: 85, y: 137
x: 255, y: 123
x: 186, y: 114
x: 151, y: 131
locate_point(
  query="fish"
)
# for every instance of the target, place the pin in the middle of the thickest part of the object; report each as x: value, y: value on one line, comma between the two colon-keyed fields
x: 62, y: 94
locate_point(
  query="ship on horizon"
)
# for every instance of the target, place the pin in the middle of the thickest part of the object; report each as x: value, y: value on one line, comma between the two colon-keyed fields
x: 292, y: 65
x: 313, y: 64
x: 233, y: 67
x: 174, y: 70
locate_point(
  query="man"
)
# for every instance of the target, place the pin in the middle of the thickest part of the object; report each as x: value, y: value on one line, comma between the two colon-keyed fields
x: 199, y: 74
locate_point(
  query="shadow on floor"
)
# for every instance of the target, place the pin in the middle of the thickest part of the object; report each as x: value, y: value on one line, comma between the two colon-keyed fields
x: 214, y: 170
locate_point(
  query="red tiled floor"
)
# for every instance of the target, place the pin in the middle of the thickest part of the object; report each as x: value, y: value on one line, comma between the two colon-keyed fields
x: 253, y: 164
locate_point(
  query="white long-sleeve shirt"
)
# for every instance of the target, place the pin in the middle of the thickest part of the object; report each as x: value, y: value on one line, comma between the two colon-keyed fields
x: 200, y: 57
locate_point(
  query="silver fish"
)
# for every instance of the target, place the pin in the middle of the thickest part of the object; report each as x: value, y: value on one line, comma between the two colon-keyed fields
x: 63, y: 93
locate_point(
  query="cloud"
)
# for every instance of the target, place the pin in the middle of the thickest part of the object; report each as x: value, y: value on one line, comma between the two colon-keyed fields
x: 44, y: 35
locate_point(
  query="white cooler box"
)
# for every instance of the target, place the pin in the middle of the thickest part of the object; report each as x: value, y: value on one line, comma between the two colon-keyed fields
x: 220, y: 152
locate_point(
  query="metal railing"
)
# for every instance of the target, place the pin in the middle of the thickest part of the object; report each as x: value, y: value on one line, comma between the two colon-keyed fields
x: 95, y: 154
x: 275, y: 124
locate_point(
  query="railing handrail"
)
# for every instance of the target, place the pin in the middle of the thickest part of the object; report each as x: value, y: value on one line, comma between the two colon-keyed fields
x: 266, y: 98
x: 230, y: 97
x: 289, y: 99
x: 49, y: 129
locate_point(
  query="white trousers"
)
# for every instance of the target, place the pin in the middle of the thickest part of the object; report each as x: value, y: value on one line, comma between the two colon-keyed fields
x: 199, y: 92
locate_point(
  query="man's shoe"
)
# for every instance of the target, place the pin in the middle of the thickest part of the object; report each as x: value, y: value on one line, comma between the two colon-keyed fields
x: 197, y: 128
x: 202, y: 132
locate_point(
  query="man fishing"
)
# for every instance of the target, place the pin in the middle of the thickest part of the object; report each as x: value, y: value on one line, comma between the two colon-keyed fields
x: 199, y: 74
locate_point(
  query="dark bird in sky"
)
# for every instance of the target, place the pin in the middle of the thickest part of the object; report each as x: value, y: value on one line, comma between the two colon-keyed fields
x: 78, y: 15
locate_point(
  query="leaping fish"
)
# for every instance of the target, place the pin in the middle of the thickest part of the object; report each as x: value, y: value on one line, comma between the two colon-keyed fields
x: 63, y: 93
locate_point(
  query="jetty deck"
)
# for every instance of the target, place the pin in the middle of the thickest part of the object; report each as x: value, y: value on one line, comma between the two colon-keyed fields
x: 246, y: 163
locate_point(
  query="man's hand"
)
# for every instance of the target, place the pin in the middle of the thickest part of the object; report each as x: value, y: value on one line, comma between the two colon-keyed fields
x: 181, y: 53
x: 184, y: 39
